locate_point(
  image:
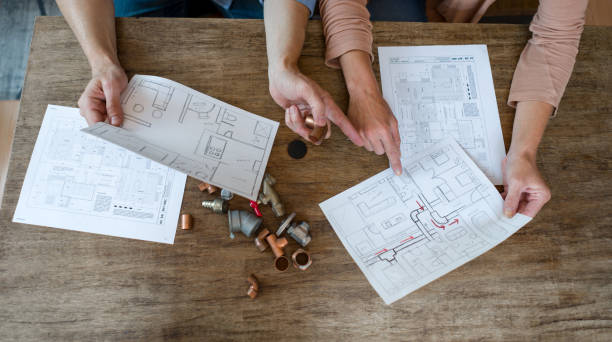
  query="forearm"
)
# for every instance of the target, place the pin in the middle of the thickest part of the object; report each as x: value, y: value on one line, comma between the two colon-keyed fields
x: 285, y: 23
x: 93, y: 23
x: 358, y: 74
x: 530, y: 123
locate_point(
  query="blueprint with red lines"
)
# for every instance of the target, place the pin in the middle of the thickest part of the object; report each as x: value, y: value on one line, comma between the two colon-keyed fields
x: 406, y: 231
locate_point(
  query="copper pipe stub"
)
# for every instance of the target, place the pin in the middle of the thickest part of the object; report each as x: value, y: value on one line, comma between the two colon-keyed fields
x: 317, y: 132
x: 260, y: 240
x: 207, y: 187
x: 281, y: 263
x: 186, y: 222
x: 301, y: 259
x: 253, y: 286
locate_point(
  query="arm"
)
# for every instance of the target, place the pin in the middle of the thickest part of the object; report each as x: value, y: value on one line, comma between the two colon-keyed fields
x: 285, y: 23
x: 539, y: 82
x: 524, y: 189
x: 348, y: 35
x: 93, y: 24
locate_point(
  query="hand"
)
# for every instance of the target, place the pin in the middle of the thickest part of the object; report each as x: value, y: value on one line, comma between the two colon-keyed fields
x: 299, y: 95
x: 524, y: 189
x: 376, y: 125
x: 101, y: 99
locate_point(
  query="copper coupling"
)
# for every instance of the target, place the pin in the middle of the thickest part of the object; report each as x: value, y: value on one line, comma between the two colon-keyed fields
x: 301, y: 259
x: 253, y: 286
x: 317, y: 132
x: 211, y: 189
x: 186, y: 221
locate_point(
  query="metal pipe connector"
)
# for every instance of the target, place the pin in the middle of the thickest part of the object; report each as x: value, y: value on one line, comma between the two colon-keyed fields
x: 253, y: 286
x: 317, y: 132
x: 243, y: 221
x: 260, y: 240
x: 218, y: 205
x: 281, y: 263
x: 301, y: 259
x: 300, y: 233
x: 277, y: 245
x: 270, y: 196
x: 211, y: 189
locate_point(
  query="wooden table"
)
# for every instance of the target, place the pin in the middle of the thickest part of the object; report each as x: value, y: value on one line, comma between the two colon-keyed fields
x: 552, y: 280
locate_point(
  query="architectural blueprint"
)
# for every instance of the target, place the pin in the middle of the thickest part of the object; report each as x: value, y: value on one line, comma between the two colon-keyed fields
x: 445, y: 91
x: 406, y: 231
x: 194, y: 133
x: 78, y: 182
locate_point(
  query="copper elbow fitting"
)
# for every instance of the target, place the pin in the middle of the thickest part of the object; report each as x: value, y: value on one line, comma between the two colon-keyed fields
x: 186, y: 221
x: 277, y: 245
x: 260, y: 242
x: 301, y: 259
x: 317, y: 132
x: 207, y: 187
x: 253, y: 286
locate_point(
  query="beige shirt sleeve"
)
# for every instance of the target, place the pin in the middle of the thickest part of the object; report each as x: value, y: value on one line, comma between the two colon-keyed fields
x: 547, y: 61
x: 346, y: 26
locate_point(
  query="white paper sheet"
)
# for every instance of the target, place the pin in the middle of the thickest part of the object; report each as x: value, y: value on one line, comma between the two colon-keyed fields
x: 406, y: 231
x: 445, y: 91
x: 78, y: 182
x: 194, y: 133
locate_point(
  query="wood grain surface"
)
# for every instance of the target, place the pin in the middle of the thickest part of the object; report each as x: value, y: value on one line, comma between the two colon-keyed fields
x: 552, y: 280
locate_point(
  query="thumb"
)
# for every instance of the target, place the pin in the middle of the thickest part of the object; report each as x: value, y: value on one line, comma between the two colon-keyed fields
x: 113, y: 105
x: 335, y: 114
x: 511, y: 202
x: 317, y: 106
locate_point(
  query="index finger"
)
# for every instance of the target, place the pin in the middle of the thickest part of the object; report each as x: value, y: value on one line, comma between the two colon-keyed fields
x: 337, y: 117
x: 113, y: 105
x: 533, y: 207
x: 392, y: 150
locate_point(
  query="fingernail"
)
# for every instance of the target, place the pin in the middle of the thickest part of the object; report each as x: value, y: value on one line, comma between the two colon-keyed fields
x: 114, y: 121
x: 508, y: 213
x: 398, y: 172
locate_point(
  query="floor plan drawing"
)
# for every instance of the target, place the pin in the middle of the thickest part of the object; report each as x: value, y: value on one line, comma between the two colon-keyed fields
x: 194, y: 133
x: 437, y: 92
x: 79, y: 182
x: 406, y: 231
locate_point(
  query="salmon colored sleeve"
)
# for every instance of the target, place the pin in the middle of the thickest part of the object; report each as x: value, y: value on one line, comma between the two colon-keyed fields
x: 547, y: 61
x: 347, y: 27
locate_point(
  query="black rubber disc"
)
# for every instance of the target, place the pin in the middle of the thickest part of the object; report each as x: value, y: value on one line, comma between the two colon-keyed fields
x: 297, y: 149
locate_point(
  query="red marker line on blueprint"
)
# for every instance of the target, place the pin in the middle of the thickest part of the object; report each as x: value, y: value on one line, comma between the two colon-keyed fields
x: 420, y: 206
x: 435, y: 224
x: 384, y: 250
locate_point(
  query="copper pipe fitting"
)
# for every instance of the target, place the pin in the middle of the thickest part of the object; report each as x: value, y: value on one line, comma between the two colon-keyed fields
x: 281, y: 263
x: 301, y: 259
x: 317, y: 132
x: 207, y: 187
x: 277, y: 245
x: 260, y: 242
x: 186, y: 222
x: 253, y: 287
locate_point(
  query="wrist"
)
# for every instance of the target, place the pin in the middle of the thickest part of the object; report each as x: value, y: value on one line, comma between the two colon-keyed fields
x: 358, y: 74
x: 102, y: 62
x: 526, y: 153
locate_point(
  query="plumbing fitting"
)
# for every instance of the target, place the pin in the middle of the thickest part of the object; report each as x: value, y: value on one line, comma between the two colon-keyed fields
x: 253, y: 286
x: 285, y: 224
x: 317, y: 132
x: 281, y: 263
x: 242, y: 221
x: 301, y: 259
x: 218, y: 205
x: 207, y: 187
x: 300, y: 233
x: 226, y: 194
x: 270, y: 196
x: 260, y: 240
x: 186, y: 221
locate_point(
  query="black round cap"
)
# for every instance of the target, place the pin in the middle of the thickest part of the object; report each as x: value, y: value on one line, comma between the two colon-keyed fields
x: 297, y: 149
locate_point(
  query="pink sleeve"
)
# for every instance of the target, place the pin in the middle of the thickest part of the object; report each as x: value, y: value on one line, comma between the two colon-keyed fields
x: 346, y: 26
x: 547, y: 61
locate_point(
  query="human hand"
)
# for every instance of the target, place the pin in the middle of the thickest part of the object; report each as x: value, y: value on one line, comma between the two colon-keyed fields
x: 101, y: 99
x: 375, y: 123
x: 300, y: 96
x: 525, y: 191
